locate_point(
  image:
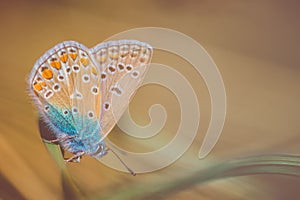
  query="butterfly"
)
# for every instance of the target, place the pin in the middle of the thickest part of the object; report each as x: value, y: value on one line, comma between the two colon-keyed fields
x: 81, y: 93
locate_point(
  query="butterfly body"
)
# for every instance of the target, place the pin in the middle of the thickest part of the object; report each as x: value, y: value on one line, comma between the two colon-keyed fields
x: 75, y: 90
x: 80, y: 138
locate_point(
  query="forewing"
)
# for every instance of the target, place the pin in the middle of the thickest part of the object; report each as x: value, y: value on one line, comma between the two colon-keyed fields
x: 64, y: 84
x: 123, y: 65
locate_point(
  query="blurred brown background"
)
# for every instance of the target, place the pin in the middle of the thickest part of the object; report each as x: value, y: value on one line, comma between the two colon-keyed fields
x: 255, y: 44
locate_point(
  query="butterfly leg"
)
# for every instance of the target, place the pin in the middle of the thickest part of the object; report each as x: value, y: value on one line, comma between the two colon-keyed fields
x: 58, y: 140
x: 76, y: 157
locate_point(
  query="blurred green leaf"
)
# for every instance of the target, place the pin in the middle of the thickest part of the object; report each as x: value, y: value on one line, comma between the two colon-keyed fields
x: 71, y: 191
x: 264, y: 164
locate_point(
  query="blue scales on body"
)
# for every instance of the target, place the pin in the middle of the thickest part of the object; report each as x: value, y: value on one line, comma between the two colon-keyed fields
x: 85, y: 132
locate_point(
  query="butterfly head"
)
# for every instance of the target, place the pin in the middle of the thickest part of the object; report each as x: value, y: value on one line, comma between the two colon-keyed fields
x: 101, y: 151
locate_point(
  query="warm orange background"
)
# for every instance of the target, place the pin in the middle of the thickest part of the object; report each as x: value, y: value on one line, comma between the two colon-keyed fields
x: 254, y: 43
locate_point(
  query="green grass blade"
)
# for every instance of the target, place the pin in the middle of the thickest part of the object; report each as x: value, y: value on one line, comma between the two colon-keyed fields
x: 264, y: 164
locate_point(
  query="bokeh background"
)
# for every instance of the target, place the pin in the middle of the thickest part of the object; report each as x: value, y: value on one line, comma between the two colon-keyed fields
x: 255, y: 44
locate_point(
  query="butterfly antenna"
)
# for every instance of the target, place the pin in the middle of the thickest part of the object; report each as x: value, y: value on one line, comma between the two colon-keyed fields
x: 129, y: 170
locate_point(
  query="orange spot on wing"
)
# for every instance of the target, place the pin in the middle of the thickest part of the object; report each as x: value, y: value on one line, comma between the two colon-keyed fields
x: 103, y: 59
x: 94, y: 71
x: 37, y: 87
x: 114, y: 55
x: 84, y: 61
x: 43, y: 84
x: 47, y: 74
x: 73, y: 55
x: 55, y: 64
x: 63, y: 57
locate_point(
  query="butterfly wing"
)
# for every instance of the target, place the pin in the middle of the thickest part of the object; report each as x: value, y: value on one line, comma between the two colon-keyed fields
x: 64, y: 84
x: 123, y: 65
